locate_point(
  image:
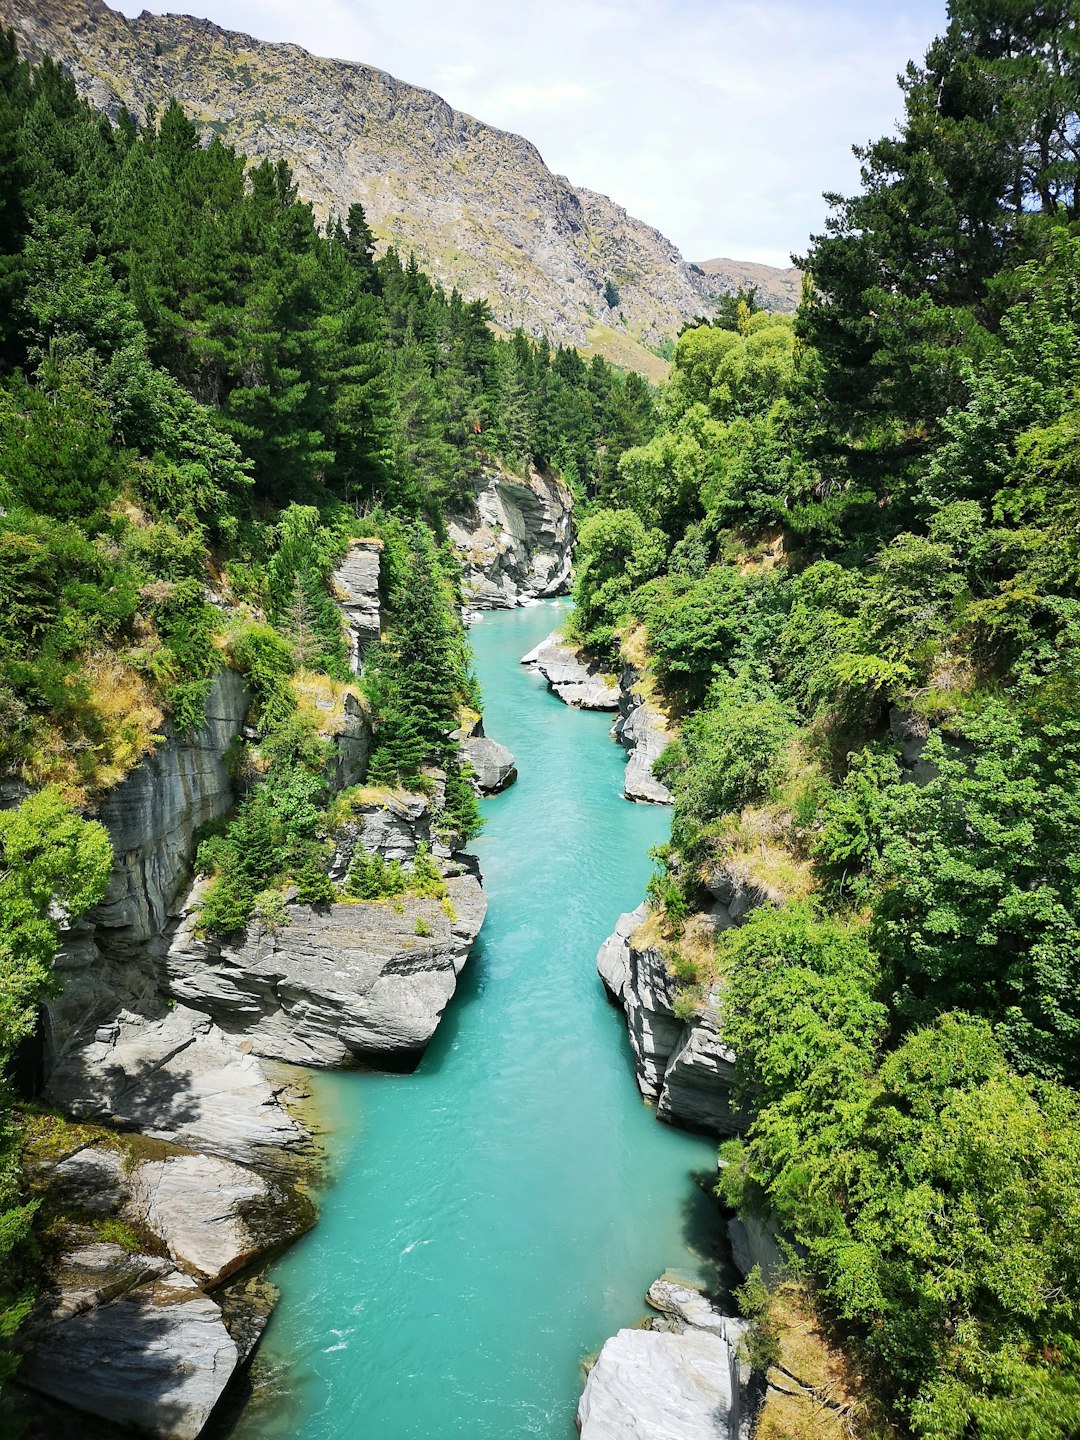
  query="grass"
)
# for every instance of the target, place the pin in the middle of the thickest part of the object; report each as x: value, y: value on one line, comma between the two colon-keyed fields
x: 815, y: 1391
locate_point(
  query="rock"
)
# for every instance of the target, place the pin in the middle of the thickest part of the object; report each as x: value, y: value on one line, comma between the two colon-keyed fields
x: 339, y: 985
x: 699, y: 1080
x: 642, y: 728
x: 178, y: 1077
x: 356, y: 584
x: 514, y: 540
x: 684, y: 1066
x: 156, y: 1357
x: 650, y: 1385
x: 493, y: 763
x: 755, y: 1241
x: 213, y: 1216
x: 107, y: 962
x: 91, y: 1180
x: 392, y: 824
x: 576, y: 682
x: 691, y: 1309
x: 613, y: 959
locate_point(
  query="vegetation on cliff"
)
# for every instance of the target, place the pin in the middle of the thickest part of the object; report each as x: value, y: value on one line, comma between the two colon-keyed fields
x: 852, y: 548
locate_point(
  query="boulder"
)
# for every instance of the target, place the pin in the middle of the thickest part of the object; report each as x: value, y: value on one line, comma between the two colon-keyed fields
x: 361, y: 982
x: 514, y: 539
x: 212, y: 1215
x: 492, y: 763
x: 651, y: 1385
x: 356, y: 584
x: 131, y: 1339
x: 577, y: 682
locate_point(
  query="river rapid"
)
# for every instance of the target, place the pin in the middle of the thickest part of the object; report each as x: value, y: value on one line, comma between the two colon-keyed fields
x: 496, y: 1215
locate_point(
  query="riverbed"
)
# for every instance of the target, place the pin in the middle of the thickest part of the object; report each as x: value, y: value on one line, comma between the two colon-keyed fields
x: 496, y: 1215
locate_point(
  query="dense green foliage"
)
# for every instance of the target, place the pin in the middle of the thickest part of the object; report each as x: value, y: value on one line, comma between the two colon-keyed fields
x: 853, y: 531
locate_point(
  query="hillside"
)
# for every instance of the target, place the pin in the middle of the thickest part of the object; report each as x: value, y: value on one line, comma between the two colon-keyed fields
x: 477, y: 205
x: 778, y: 287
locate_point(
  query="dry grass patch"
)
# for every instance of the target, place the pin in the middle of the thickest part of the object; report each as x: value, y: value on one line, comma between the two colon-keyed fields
x: 321, y: 700
x: 815, y: 1391
x: 120, y: 722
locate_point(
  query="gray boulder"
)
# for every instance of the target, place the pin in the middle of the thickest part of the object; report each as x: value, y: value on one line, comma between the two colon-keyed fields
x: 577, y: 682
x: 651, y: 1385
x: 131, y: 1339
x: 492, y: 763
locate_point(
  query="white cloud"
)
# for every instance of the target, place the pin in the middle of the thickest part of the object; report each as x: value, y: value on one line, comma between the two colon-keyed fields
x: 718, y: 121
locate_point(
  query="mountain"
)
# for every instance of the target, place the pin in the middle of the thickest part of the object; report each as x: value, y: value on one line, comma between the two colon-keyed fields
x: 778, y: 287
x: 477, y: 205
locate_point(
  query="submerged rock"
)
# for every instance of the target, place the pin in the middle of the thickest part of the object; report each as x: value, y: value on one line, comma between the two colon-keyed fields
x: 514, y: 540
x: 577, y: 682
x: 494, y: 765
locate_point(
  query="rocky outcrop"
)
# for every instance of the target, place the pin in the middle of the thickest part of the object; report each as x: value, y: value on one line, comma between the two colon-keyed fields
x: 149, y: 1337
x: 362, y: 982
x: 494, y: 767
x: 682, y: 1065
x: 576, y: 681
x: 681, y: 1380
x: 477, y: 206
x: 642, y: 728
x: 356, y: 584
x: 514, y: 539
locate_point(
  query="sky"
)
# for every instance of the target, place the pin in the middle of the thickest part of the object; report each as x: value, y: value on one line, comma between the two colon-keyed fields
x: 721, y: 122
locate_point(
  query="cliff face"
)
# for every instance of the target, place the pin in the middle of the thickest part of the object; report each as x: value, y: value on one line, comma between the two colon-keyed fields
x: 478, y: 206
x: 514, y: 540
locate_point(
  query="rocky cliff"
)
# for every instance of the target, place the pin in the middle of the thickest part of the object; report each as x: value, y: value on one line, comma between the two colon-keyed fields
x: 681, y: 1064
x: 478, y: 206
x: 514, y: 539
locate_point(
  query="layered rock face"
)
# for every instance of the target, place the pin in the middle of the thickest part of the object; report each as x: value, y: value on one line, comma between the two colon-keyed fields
x: 680, y: 1379
x: 577, y: 682
x: 683, y: 1066
x: 356, y: 584
x: 643, y: 729
x: 514, y: 539
x: 151, y: 1338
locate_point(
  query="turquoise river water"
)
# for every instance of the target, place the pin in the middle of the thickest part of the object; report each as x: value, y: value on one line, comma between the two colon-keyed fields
x: 496, y: 1215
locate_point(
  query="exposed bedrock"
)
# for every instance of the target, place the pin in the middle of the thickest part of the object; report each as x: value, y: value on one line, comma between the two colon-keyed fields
x: 576, y: 681
x: 356, y: 583
x: 363, y: 982
x: 682, y: 1065
x: 514, y: 539
x: 679, y: 1379
x: 643, y: 729
x: 493, y: 765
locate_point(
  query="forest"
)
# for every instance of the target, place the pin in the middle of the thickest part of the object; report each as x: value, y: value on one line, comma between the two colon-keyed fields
x: 204, y: 395
x: 850, y: 551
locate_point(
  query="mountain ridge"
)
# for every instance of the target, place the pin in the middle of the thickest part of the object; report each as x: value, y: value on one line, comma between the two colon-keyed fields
x: 477, y: 205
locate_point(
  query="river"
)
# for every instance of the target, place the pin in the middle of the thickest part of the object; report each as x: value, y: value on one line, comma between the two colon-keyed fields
x: 496, y: 1215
